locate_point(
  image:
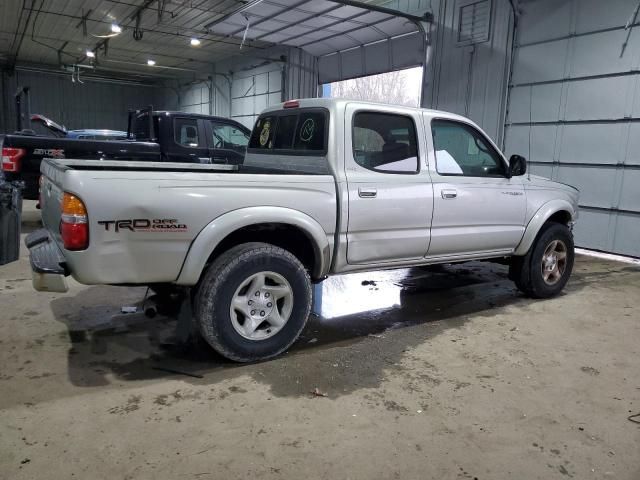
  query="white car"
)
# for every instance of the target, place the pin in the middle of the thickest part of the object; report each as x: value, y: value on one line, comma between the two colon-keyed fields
x: 328, y: 186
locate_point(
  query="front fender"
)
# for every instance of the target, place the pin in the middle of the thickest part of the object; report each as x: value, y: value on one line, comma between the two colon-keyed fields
x: 216, y: 231
x: 539, y: 218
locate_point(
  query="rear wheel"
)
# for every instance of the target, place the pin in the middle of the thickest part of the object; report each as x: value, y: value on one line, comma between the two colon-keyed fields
x: 253, y: 302
x: 544, y: 271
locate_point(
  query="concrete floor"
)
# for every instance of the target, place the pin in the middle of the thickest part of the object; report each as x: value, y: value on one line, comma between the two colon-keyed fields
x: 443, y: 374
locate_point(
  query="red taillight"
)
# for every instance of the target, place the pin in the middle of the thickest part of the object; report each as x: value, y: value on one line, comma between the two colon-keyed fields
x: 291, y: 104
x: 11, y: 158
x: 73, y: 223
x: 74, y: 236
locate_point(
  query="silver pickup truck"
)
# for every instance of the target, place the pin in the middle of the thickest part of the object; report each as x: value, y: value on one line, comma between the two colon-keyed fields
x: 327, y: 187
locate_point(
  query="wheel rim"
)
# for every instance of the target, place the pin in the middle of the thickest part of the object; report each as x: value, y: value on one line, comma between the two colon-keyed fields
x: 261, y: 305
x: 554, y: 262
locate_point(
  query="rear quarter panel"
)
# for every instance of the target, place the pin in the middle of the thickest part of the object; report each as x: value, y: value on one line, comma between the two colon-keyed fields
x: 192, y: 200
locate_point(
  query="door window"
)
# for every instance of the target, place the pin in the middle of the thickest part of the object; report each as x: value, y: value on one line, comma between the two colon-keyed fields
x: 385, y: 142
x: 186, y: 132
x: 229, y: 137
x: 462, y: 150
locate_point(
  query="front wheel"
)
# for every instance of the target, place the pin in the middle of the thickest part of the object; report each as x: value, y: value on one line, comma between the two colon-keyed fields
x: 546, y: 268
x: 253, y: 302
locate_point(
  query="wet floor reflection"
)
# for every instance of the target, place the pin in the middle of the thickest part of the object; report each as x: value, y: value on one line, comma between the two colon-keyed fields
x: 387, y: 289
x: 358, y: 292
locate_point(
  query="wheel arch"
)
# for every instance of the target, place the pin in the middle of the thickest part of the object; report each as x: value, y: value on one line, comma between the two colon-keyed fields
x: 284, y: 227
x: 560, y: 211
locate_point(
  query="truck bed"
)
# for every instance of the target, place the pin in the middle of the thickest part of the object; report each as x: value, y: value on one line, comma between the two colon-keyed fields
x: 181, y: 199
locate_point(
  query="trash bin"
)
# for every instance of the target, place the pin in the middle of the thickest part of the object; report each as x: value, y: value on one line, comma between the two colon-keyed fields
x: 10, y: 218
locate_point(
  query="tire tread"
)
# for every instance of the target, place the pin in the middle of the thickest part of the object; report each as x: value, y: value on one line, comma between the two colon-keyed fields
x: 217, y: 273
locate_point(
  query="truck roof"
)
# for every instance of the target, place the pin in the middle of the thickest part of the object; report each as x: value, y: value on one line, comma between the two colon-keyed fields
x: 196, y: 115
x: 336, y: 103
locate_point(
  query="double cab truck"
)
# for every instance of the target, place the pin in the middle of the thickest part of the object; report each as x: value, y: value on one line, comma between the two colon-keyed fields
x: 156, y: 136
x: 328, y: 186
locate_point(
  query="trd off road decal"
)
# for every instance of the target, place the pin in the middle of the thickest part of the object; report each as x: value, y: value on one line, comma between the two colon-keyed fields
x: 264, y: 134
x: 144, y: 225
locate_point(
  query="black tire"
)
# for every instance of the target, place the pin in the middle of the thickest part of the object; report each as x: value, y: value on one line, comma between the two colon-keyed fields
x: 215, y: 291
x: 527, y: 271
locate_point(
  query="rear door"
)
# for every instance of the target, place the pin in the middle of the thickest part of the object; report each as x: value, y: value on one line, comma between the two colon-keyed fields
x: 227, y: 142
x: 389, y: 188
x: 477, y: 210
x: 189, y: 143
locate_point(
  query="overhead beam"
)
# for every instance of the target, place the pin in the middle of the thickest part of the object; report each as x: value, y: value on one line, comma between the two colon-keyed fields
x: 428, y: 17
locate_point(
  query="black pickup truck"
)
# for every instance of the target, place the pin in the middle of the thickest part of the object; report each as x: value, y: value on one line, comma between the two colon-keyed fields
x: 153, y: 136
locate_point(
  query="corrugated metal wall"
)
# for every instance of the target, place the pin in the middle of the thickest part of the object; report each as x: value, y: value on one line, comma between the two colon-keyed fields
x: 195, y: 98
x: 470, y: 79
x: 302, y: 76
x: 90, y: 105
x: 244, y: 86
x: 254, y: 90
x: 575, y: 98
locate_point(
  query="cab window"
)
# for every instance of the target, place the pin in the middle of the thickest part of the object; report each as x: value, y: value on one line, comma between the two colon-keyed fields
x: 385, y: 142
x: 229, y: 137
x: 300, y: 132
x: 186, y: 132
x: 462, y: 150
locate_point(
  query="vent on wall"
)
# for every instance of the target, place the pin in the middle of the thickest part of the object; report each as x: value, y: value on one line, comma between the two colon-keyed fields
x: 473, y: 21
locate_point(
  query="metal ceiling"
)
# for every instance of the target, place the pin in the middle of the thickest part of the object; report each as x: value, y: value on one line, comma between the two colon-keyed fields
x: 52, y: 32
x: 59, y: 32
x: 320, y: 27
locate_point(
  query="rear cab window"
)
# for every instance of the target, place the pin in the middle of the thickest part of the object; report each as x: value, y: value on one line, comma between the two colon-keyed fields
x: 186, y: 132
x: 297, y: 132
x: 140, y: 128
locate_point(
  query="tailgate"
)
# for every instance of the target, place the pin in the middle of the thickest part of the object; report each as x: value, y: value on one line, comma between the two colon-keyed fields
x: 51, y: 191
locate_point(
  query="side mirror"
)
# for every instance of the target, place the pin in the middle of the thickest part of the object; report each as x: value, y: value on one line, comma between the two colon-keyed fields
x: 517, y: 166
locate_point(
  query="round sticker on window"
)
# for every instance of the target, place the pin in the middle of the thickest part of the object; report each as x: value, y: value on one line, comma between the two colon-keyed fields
x: 306, y: 132
x: 264, y: 134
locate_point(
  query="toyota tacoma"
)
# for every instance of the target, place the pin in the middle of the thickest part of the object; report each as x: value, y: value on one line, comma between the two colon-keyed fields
x: 328, y: 186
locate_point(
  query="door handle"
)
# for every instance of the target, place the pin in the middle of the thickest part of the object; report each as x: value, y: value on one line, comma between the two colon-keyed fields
x: 447, y: 194
x: 367, y: 192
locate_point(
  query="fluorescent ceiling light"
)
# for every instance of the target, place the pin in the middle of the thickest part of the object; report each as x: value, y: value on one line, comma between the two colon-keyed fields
x: 151, y: 63
x: 195, y: 42
x: 115, y: 28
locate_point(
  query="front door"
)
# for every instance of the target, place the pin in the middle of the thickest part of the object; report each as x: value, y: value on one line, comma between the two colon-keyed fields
x: 390, y: 193
x: 477, y: 209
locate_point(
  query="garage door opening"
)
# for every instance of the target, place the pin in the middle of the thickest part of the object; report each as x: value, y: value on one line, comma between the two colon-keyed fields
x: 401, y: 87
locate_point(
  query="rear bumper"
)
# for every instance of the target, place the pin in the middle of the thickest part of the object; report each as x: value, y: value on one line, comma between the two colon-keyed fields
x: 48, y: 265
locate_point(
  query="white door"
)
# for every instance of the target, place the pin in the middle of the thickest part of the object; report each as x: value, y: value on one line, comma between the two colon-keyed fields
x: 389, y: 188
x: 477, y: 209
